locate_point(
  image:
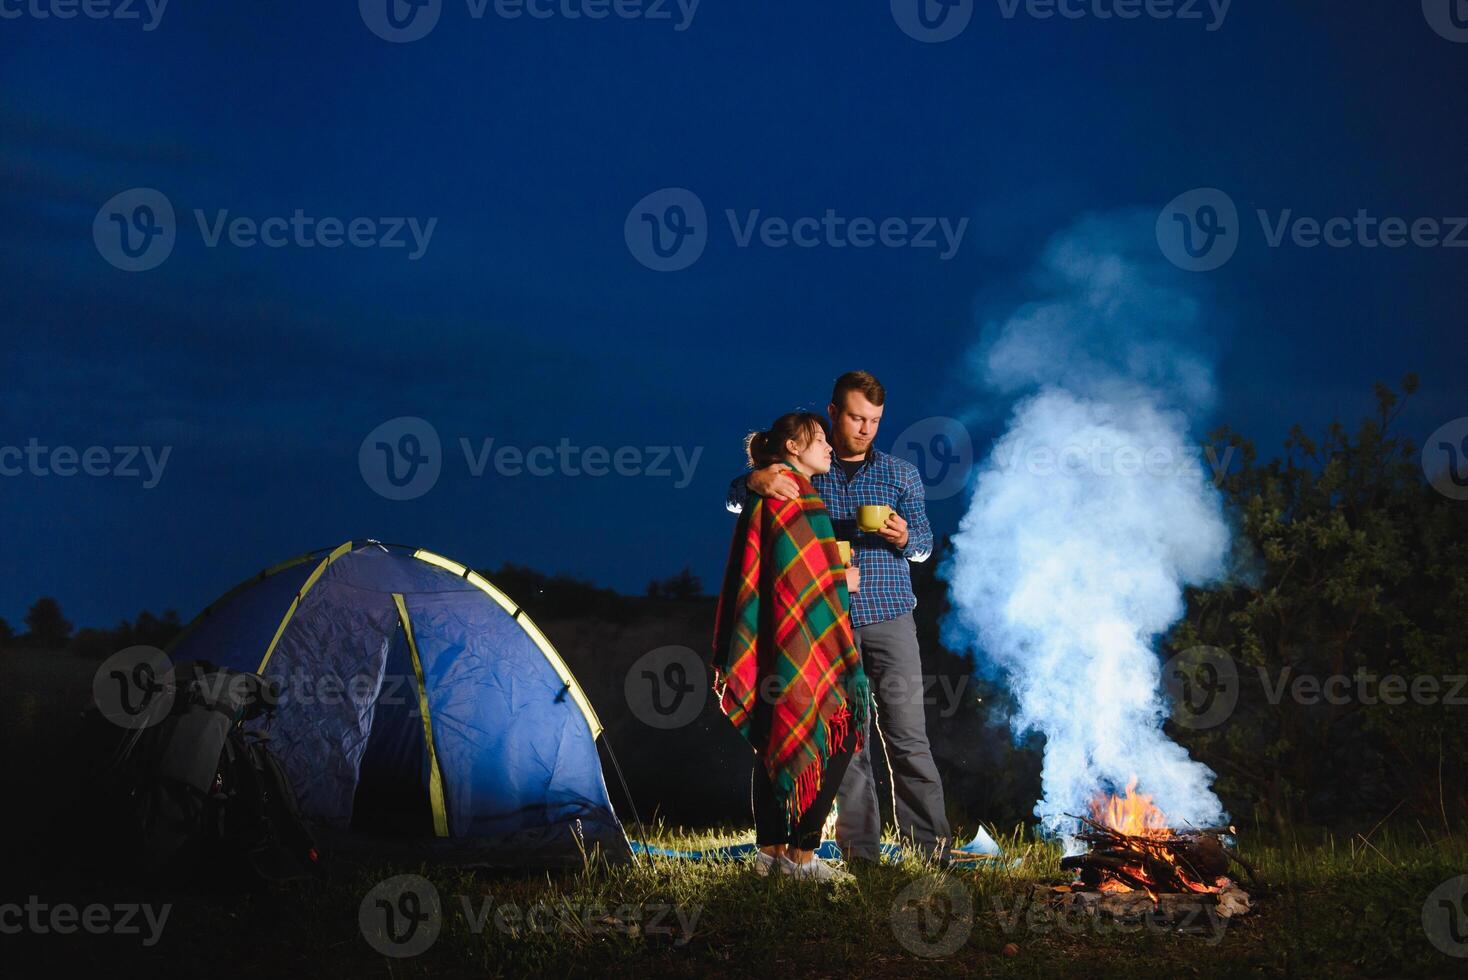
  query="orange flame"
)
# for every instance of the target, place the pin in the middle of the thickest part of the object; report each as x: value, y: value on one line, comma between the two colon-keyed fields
x: 1132, y: 813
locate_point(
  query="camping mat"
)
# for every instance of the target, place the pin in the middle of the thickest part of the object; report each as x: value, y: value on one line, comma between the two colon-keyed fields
x: 828, y: 850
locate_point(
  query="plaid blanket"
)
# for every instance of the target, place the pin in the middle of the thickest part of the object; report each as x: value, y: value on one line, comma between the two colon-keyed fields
x: 783, y: 627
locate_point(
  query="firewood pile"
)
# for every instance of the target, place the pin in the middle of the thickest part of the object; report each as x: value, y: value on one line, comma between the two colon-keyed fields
x: 1157, y: 873
x: 1155, y: 862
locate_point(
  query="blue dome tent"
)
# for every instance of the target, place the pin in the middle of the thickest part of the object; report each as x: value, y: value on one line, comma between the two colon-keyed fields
x: 423, y: 711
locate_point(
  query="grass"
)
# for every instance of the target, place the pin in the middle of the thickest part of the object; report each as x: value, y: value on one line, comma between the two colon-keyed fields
x: 1342, y: 907
x: 1331, y: 909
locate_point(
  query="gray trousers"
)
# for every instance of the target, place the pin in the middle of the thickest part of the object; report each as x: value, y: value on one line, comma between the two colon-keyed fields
x: 889, y: 654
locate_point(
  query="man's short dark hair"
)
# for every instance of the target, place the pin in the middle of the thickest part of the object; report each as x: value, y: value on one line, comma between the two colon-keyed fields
x: 862, y: 381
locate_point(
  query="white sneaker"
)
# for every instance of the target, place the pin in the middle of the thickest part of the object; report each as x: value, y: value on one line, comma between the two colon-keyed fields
x: 814, y: 870
x: 764, y: 864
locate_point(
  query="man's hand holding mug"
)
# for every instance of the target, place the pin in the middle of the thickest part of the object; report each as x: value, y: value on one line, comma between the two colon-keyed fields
x: 883, y: 521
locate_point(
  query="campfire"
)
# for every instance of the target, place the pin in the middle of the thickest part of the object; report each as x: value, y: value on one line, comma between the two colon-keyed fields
x: 1133, y: 849
x: 1138, y: 863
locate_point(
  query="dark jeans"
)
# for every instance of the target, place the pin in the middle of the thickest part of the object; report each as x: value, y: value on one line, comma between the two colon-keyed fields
x: 770, y: 824
x: 889, y: 653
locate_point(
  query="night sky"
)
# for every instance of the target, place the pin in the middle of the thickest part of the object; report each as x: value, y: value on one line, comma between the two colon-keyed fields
x: 528, y: 319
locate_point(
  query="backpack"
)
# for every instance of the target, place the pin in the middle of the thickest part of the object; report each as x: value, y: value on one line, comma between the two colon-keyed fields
x: 199, y: 792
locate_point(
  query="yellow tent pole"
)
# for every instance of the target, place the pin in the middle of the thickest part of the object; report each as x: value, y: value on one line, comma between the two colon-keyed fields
x: 541, y: 641
x: 296, y: 602
x: 435, y: 776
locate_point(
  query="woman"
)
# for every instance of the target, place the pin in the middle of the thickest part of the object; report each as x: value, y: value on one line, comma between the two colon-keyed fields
x: 786, y: 665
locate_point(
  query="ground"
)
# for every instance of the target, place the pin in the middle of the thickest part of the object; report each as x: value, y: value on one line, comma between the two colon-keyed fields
x: 1339, y: 908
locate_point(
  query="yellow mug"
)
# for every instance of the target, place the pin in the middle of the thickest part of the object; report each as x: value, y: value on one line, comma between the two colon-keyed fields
x: 872, y: 517
x: 845, y: 549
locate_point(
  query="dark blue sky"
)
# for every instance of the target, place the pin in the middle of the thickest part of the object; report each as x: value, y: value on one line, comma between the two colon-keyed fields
x: 529, y: 320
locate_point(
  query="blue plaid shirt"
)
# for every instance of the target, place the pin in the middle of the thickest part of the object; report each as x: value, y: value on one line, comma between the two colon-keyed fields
x: 886, y: 583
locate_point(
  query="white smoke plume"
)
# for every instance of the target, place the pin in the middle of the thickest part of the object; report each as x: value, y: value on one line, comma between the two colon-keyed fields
x: 1092, y: 512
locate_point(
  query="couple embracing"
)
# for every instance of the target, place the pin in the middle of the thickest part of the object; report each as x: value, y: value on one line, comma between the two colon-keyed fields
x: 815, y: 647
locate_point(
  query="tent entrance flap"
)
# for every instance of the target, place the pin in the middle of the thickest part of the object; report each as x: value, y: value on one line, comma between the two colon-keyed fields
x: 391, y: 797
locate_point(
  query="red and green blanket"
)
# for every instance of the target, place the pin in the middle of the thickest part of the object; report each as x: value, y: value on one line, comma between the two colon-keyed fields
x: 786, y: 667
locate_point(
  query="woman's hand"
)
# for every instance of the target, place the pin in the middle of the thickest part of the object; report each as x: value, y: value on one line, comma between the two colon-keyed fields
x: 853, y: 579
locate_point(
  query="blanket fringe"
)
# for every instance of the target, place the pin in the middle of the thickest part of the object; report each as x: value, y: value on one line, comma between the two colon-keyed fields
x: 808, y: 782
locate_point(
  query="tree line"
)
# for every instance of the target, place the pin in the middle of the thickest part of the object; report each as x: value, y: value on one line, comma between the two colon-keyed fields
x: 47, y: 628
x: 544, y: 596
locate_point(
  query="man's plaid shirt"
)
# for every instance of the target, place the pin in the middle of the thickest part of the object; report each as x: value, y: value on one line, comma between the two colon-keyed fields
x: 886, y: 583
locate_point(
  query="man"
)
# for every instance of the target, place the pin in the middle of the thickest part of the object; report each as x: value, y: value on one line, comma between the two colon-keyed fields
x: 881, y: 616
